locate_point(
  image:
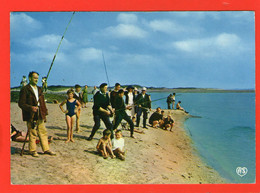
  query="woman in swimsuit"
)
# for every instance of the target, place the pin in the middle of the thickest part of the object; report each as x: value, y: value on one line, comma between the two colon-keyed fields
x: 71, y: 103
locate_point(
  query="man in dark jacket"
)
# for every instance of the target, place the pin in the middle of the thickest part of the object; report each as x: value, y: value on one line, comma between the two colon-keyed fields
x: 121, y: 114
x: 32, y: 103
x: 101, y: 110
x: 143, y: 102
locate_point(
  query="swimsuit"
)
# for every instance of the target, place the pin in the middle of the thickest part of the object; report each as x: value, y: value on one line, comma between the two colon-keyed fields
x: 71, y: 108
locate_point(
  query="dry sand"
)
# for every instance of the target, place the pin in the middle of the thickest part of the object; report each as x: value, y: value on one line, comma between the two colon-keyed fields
x: 156, y: 157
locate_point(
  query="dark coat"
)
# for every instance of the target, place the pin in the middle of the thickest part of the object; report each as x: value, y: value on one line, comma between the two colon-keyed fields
x: 144, y: 102
x: 27, y: 99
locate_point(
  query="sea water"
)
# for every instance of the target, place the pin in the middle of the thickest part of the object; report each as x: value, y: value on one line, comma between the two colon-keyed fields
x: 224, y: 136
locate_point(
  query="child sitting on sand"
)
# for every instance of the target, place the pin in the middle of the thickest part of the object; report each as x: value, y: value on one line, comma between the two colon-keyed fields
x: 104, y: 146
x: 71, y: 103
x: 118, y: 145
x: 168, y: 123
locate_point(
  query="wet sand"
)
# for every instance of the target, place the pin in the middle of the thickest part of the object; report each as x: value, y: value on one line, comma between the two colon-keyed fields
x: 155, y: 157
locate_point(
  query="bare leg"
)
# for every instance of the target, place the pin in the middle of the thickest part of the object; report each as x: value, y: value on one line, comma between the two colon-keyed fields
x: 109, y: 150
x: 68, y: 121
x: 77, y: 120
x: 71, y: 129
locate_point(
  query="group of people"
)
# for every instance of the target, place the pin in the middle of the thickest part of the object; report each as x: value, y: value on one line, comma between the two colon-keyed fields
x: 128, y: 105
x: 157, y: 119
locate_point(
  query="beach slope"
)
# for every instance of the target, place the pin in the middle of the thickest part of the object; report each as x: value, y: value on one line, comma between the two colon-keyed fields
x: 156, y: 157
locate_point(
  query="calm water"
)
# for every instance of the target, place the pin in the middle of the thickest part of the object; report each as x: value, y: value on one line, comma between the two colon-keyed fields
x: 225, y: 134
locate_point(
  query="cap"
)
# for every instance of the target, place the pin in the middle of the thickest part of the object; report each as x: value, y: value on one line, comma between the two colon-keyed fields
x: 143, y: 88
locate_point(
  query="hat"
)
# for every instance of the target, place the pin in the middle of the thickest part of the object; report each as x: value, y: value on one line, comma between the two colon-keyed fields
x: 103, y: 85
x: 135, y: 88
x: 143, y: 88
x: 130, y: 87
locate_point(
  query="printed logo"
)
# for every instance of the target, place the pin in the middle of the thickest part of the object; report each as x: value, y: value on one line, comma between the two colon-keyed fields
x: 241, y: 171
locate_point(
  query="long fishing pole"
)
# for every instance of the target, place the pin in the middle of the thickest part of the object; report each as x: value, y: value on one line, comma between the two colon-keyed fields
x: 59, y: 46
x: 105, y: 68
x: 48, y: 76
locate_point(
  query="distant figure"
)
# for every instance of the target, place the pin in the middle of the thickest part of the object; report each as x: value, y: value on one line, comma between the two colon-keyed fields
x: 169, y: 101
x: 34, y: 111
x: 121, y: 114
x: 156, y: 118
x: 178, y: 107
x: 143, y: 101
x: 70, y: 114
x: 173, y: 100
x: 168, y: 123
x: 44, y: 84
x: 136, y: 93
x: 129, y: 100
x: 85, y: 96
x: 23, y: 82
x: 104, y: 146
x: 118, y: 145
x: 77, y: 95
x: 101, y: 110
x: 94, y: 91
x: 114, y: 94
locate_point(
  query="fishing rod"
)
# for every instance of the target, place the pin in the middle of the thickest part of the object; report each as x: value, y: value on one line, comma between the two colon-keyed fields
x: 143, y: 103
x: 59, y: 46
x: 45, y: 82
x: 105, y: 68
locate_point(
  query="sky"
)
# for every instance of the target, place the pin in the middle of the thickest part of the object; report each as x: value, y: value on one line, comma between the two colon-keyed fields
x: 160, y: 49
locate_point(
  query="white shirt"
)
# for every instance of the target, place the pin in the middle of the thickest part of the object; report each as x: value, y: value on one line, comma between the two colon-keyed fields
x: 118, y: 143
x: 130, y: 98
x: 36, y: 93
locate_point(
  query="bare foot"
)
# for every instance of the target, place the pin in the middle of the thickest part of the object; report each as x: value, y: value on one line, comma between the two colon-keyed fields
x: 67, y: 140
x: 72, y: 140
x: 133, y: 136
x: 113, y: 156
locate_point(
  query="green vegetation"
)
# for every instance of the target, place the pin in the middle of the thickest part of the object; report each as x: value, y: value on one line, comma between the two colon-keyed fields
x: 50, y: 97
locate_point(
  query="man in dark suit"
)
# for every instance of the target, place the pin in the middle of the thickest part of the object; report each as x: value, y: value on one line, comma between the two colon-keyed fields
x: 143, y: 102
x: 101, y: 110
x: 32, y: 103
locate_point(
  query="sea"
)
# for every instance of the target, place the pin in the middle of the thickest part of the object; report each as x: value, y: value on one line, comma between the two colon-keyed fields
x: 222, y: 131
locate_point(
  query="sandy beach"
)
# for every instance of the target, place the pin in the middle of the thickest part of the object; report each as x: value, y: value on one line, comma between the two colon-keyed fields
x: 155, y: 157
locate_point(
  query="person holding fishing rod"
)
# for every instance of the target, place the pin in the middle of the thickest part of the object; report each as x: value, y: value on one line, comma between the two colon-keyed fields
x: 143, y: 102
x: 102, y: 110
x: 34, y: 111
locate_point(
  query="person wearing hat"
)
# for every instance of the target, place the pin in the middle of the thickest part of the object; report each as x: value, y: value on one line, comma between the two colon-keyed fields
x: 143, y: 102
x: 114, y: 94
x: 129, y: 100
x: 101, y: 110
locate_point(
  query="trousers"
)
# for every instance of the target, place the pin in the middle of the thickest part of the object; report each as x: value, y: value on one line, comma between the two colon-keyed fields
x: 141, y: 111
x: 41, y: 130
x: 123, y: 115
x: 106, y: 121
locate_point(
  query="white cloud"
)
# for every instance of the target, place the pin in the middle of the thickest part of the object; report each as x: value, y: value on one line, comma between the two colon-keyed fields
x: 127, y: 18
x: 165, y: 26
x: 23, y: 22
x: 89, y: 54
x: 48, y: 42
x: 210, y: 46
x: 126, y: 30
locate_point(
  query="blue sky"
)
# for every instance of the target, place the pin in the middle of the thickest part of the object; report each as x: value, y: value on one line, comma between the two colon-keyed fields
x: 161, y: 49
